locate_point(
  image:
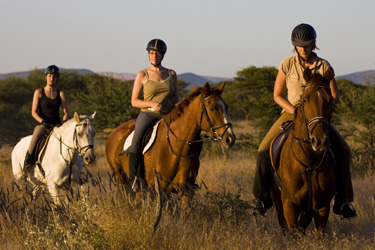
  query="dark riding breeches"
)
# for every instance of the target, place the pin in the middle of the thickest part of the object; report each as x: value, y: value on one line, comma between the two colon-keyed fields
x: 144, y: 121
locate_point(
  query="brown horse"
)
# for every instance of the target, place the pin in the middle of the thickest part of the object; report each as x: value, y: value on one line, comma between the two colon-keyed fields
x: 173, y: 154
x: 306, y: 168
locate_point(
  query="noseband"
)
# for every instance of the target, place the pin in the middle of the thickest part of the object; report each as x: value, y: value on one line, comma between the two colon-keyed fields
x: 81, y: 150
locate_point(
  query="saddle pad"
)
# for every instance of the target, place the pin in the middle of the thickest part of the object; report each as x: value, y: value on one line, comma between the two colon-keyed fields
x: 149, y: 144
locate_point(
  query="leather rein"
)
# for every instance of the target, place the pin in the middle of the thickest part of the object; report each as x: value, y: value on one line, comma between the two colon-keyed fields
x: 309, y: 123
x: 213, y: 128
x: 71, y: 150
x: 309, y: 167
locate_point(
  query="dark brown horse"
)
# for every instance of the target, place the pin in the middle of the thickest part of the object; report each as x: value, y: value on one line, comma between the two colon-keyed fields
x: 306, y: 168
x: 174, y: 155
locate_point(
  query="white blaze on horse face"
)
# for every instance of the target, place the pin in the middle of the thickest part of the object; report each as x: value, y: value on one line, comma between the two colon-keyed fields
x: 85, y: 140
x: 226, y: 119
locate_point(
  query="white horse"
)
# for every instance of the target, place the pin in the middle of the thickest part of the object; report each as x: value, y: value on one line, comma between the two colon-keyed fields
x: 61, y: 161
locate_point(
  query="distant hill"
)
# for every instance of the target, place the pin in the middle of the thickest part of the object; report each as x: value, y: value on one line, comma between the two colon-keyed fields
x: 191, y: 78
x: 363, y: 77
x: 121, y: 76
x: 24, y: 74
x: 196, y: 80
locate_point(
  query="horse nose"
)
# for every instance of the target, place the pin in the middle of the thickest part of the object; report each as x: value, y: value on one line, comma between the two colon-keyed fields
x: 89, y: 158
x: 229, y: 141
x: 317, y: 144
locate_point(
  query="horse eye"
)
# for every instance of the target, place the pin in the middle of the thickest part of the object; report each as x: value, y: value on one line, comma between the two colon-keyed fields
x: 211, y: 109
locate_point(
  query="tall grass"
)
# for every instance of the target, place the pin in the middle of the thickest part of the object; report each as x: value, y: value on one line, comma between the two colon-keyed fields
x: 99, y: 215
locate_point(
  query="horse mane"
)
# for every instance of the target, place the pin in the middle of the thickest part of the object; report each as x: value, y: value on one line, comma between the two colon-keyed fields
x: 70, y: 121
x: 181, y: 106
x: 64, y: 125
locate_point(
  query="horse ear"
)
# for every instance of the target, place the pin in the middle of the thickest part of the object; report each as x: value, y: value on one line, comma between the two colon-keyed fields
x: 76, y: 117
x: 221, y: 88
x: 207, y: 89
x: 92, y: 117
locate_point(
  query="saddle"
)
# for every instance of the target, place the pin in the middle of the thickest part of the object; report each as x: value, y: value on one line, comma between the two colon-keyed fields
x: 147, y: 141
x: 278, y: 142
x: 275, y: 150
x: 39, y: 151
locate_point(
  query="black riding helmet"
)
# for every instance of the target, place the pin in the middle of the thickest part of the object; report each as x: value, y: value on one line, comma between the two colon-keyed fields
x: 303, y: 35
x: 53, y: 70
x: 157, y: 45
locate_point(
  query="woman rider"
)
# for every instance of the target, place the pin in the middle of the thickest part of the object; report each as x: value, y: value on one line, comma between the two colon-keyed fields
x: 159, y: 87
x: 46, y: 111
x: 290, y: 80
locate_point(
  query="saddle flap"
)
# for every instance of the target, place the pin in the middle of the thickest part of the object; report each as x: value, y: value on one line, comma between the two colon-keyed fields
x: 40, y: 147
x: 277, y: 144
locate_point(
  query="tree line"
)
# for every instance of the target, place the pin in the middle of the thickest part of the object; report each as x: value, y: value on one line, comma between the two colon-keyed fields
x: 249, y: 96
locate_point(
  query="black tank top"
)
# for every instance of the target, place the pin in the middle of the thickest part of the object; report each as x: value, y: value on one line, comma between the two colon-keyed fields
x: 49, y: 109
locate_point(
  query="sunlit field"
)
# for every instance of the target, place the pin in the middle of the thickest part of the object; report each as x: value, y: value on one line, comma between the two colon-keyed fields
x: 99, y: 215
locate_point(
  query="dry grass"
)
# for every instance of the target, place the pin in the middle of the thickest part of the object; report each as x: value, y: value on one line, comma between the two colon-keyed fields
x: 101, y: 216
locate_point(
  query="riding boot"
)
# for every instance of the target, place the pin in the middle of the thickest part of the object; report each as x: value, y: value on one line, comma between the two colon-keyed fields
x: 135, y: 160
x: 261, y: 190
x: 343, y: 184
x: 28, y: 163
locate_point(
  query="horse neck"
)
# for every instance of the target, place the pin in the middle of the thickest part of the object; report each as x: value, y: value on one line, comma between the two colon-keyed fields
x: 65, y: 133
x: 187, y: 125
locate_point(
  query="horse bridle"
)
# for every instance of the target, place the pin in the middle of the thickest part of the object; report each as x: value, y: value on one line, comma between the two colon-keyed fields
x: 79, y: 148
x: 76, y: 146
x: 213, y: 128
x: 314, y: 121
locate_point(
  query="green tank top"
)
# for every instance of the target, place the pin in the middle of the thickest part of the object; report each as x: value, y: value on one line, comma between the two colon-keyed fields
x: 159, y: 91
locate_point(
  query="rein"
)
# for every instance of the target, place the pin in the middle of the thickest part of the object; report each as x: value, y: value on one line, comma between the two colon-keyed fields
x: 309, y: 167
x: 71, y: 150
x: 212, y: 127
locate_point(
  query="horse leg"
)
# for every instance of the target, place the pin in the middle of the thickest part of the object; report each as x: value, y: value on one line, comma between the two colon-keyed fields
x: 53, y: 190
x: 321, y: 219
x: 276, y: 195
x: 291, y: 215
x: 304, y: 221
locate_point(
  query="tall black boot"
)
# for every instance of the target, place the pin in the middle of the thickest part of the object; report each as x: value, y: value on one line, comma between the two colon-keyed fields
x: 28, y: 163
x: 341, y: 205
x: 135, y: 160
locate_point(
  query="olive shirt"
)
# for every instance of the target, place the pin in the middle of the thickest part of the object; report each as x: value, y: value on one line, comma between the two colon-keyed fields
x: 156, y: 91
x: 160, y: 92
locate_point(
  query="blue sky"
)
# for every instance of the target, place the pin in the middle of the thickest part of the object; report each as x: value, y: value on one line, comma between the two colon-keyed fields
x: 205, y: 37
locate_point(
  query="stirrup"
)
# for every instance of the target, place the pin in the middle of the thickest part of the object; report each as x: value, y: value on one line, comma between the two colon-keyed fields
x: 258, y: 208
x: 135, y: 186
